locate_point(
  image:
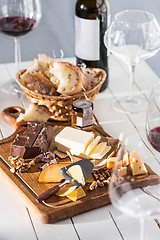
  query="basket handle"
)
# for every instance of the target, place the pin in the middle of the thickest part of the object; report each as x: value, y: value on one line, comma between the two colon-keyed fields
x: 10, y: 114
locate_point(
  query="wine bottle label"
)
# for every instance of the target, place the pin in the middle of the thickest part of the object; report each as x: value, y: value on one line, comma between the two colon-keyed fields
x: 87, y: 39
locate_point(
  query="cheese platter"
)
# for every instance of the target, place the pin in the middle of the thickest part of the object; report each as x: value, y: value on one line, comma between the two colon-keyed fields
x: 55, y: 208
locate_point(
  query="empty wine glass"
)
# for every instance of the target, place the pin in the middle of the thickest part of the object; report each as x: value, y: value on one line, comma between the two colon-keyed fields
x: 18, y: 18
x: 133, y: 36
x: 153, y: 118
x: 133, y: 189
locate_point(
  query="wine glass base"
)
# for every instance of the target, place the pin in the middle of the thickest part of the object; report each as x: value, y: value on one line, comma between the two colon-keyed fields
x: 11, y: 87
x: 127, y: 105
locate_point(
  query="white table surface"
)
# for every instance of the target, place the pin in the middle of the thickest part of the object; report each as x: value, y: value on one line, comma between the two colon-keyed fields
x: 17, y: 222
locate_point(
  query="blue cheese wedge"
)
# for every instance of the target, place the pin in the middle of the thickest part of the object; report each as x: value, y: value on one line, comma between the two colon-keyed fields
x: 73, y: 140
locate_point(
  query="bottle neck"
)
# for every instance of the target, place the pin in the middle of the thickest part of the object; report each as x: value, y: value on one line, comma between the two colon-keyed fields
x: 92, y: 3
x: 91, y: 9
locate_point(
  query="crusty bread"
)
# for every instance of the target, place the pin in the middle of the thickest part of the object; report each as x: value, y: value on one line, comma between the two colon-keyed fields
x: 67, y: 78
x: 50, y: 77
x: 41, y: 84
x: 41, y: 64
x: 34, y: 112
x: 38, y: 65
x: 44, y: 61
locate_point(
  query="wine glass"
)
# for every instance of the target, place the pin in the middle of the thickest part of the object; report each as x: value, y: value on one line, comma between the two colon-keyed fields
x: 18, y: 18
x: 133, y: 36
x: 138, y: 195
x: 153, y: 118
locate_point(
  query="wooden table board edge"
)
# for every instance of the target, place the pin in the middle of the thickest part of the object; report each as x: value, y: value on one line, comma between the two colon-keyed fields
x: 40, y: 210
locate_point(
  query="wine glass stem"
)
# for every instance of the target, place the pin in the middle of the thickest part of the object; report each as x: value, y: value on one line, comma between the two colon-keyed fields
x: 132, y: 75
x: 142, y: 222
x: 17, y: 53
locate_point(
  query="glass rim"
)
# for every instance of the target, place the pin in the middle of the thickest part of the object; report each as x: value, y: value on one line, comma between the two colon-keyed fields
x: 135, y: 10
x: 156, y: 84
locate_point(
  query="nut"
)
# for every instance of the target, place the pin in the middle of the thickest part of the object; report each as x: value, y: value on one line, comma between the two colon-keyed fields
x: 102, y: 177
x: 106, y: 182
x: 95, y: 175
x: 31, y: 163
x: 20, y: 165
x: 93, y: 186
x: 100, y: 184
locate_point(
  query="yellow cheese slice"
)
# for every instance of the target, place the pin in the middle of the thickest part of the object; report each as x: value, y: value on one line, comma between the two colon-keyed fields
x: 101, y: 151
x: 76, y: 194
x: 74, y: 140
x: 65, y: 190
x: 83, y: 155
x: 111, y: 163
x: 92, y: 145
x: 52, y: 173
x: 98, y: 149
x: 90, y: 179
x: 105, y: 151
x: 136, y: 163
x: 76, y: 172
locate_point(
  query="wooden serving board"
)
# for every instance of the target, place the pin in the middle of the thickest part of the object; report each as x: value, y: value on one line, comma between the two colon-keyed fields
x: 55, y: 208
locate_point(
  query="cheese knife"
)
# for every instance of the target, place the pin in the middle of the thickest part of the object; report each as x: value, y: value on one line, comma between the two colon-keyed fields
x: 84, y: 166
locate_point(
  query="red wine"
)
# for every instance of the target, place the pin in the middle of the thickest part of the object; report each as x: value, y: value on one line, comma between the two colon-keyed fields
x: 16, y: 26
x: 154, y: 138
x: 91, y: 22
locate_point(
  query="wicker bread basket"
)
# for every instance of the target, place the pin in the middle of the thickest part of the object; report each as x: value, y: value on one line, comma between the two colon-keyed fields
x: 61, y: 106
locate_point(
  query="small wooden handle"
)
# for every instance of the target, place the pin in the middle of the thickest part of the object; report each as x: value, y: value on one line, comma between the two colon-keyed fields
x: 10, y: 114
x: 47, y: 193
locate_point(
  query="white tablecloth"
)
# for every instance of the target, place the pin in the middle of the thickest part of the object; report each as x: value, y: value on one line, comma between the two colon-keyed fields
x: 18, y: 222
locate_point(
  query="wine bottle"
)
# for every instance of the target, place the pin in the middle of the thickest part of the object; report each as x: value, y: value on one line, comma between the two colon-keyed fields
x: 91, y: 22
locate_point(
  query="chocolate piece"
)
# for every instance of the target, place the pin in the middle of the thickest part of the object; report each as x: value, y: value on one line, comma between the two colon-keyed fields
x: 33, y: 128
x: 23, y: 146
x: 42, y: 143
x: 46, y: 157
x: 36, y: 139
x: 47, y: 164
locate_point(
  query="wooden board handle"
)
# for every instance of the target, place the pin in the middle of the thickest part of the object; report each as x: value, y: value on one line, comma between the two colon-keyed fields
x: 10, y: 114
x: 47, y: 193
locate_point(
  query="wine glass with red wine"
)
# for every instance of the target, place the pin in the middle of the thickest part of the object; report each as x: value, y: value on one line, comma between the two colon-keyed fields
x: 153, y: 118
x: 18, y: 18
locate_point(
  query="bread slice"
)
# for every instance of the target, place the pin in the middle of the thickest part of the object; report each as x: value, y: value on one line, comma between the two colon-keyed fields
x: 44, y: 61
x: 34, y: 112
x: 41, y: 64
x: 42, y: 84
x: 67, y: 78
